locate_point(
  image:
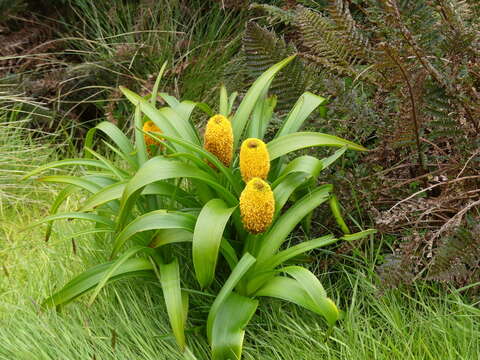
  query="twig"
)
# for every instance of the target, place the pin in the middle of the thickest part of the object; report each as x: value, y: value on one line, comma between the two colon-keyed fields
x: 457, y: 217
x: 431, y: 187
x: 465, y: 166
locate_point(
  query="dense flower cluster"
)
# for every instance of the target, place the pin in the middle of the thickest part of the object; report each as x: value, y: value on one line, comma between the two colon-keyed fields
x: 150, y: 126
x: 257, y: 206
x: 254, y: 159
x: 218, y: 138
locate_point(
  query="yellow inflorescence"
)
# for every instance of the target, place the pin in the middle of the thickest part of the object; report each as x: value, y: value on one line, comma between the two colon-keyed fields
x: 150, y: 126
x: 218, y: 138
x: 257, y: 206
x: 254, y: 159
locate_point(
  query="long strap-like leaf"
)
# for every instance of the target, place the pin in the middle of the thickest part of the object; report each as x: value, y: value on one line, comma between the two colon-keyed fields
x: 229, y: 326
x: 245, y: 108
x: 242, y: 267
x: 207, y: 237
x: 90, y: 278
x: 300, y: 140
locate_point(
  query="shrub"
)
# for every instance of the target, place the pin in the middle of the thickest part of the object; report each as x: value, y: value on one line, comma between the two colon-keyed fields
x: 177, y: 192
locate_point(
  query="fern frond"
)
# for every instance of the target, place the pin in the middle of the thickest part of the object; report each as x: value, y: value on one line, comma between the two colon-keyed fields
x: 275, y: 14
x: 458, y: 257
x: 350, y: 32
x: 326, y: 45
x: 262, y: 49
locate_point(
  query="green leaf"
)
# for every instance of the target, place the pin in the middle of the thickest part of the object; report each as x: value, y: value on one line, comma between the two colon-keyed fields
x: 169, y: 99
x: 236, y: 275
x: 204, y: 154
x: 358, y: 235
x: 231, y: 101
x: 113, y: 269
x: 306, y: 164
x: 272, y: 241
x: 223, y: 101
x: 207, y: 237
x: 66, y: 162
x: 153, y: 98
x: 229, y: 326
x: 115, y: 191
x: 174, y: 301
x: 296, y: 250
x: 304, y: 106
x: 171, y: 236
x: 240, y: 119
x: 117, y: 136
x: 286, y: 187
x: 300, y: 140
x: 158, y: 219
x: 310, y: 281
x: 292, y: 290
x: 74, y: 215
x: 120, y: 174
x: 264, y: 271
x: 326, y: 162
x: 90, y: 278
x: 205, y: 108
x: 77, y: 181
x: 59, y: 199
x: 149, y: 173
x: 141, y: 148
x: 165, y: 118
x: 337, y: 214
x: 261, y: 117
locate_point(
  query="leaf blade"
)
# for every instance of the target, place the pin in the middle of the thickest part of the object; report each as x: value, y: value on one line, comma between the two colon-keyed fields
x: 207, y: 237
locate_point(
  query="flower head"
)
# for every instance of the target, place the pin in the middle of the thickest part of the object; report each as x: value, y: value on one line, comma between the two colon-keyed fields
x: 150, y: 126
x: 218, y: 138
x: 254, y: 159
x: 257, y: 206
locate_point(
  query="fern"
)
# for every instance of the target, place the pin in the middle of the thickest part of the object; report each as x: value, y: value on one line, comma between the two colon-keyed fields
x: 349, y: 30
x: 262, y: 49
x: 458, y: 256
x: 275, y: 14
x: 414, y: 65
x: 324, y: 43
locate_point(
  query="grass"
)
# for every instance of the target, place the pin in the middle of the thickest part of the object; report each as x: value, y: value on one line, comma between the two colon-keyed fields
x: 129, y: 321
x: 97, y: 46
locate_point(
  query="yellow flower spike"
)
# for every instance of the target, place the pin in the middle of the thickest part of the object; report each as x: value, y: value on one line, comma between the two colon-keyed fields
x: 254, y: 159
x: 150, y: 126
x: 218, y: 138
x: 257, y: 206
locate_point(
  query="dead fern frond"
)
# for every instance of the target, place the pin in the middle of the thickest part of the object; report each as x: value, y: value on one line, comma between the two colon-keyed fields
x: 457, y: 258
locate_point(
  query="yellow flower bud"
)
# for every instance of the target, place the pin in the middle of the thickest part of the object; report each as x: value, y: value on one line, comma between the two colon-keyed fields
x: 218, y: 138
x: 257, y: 206
x: 254, y: 159
x: 150, y: 126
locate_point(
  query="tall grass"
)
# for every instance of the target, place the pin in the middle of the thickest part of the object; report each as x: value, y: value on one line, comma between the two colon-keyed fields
x: 21, y: 149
